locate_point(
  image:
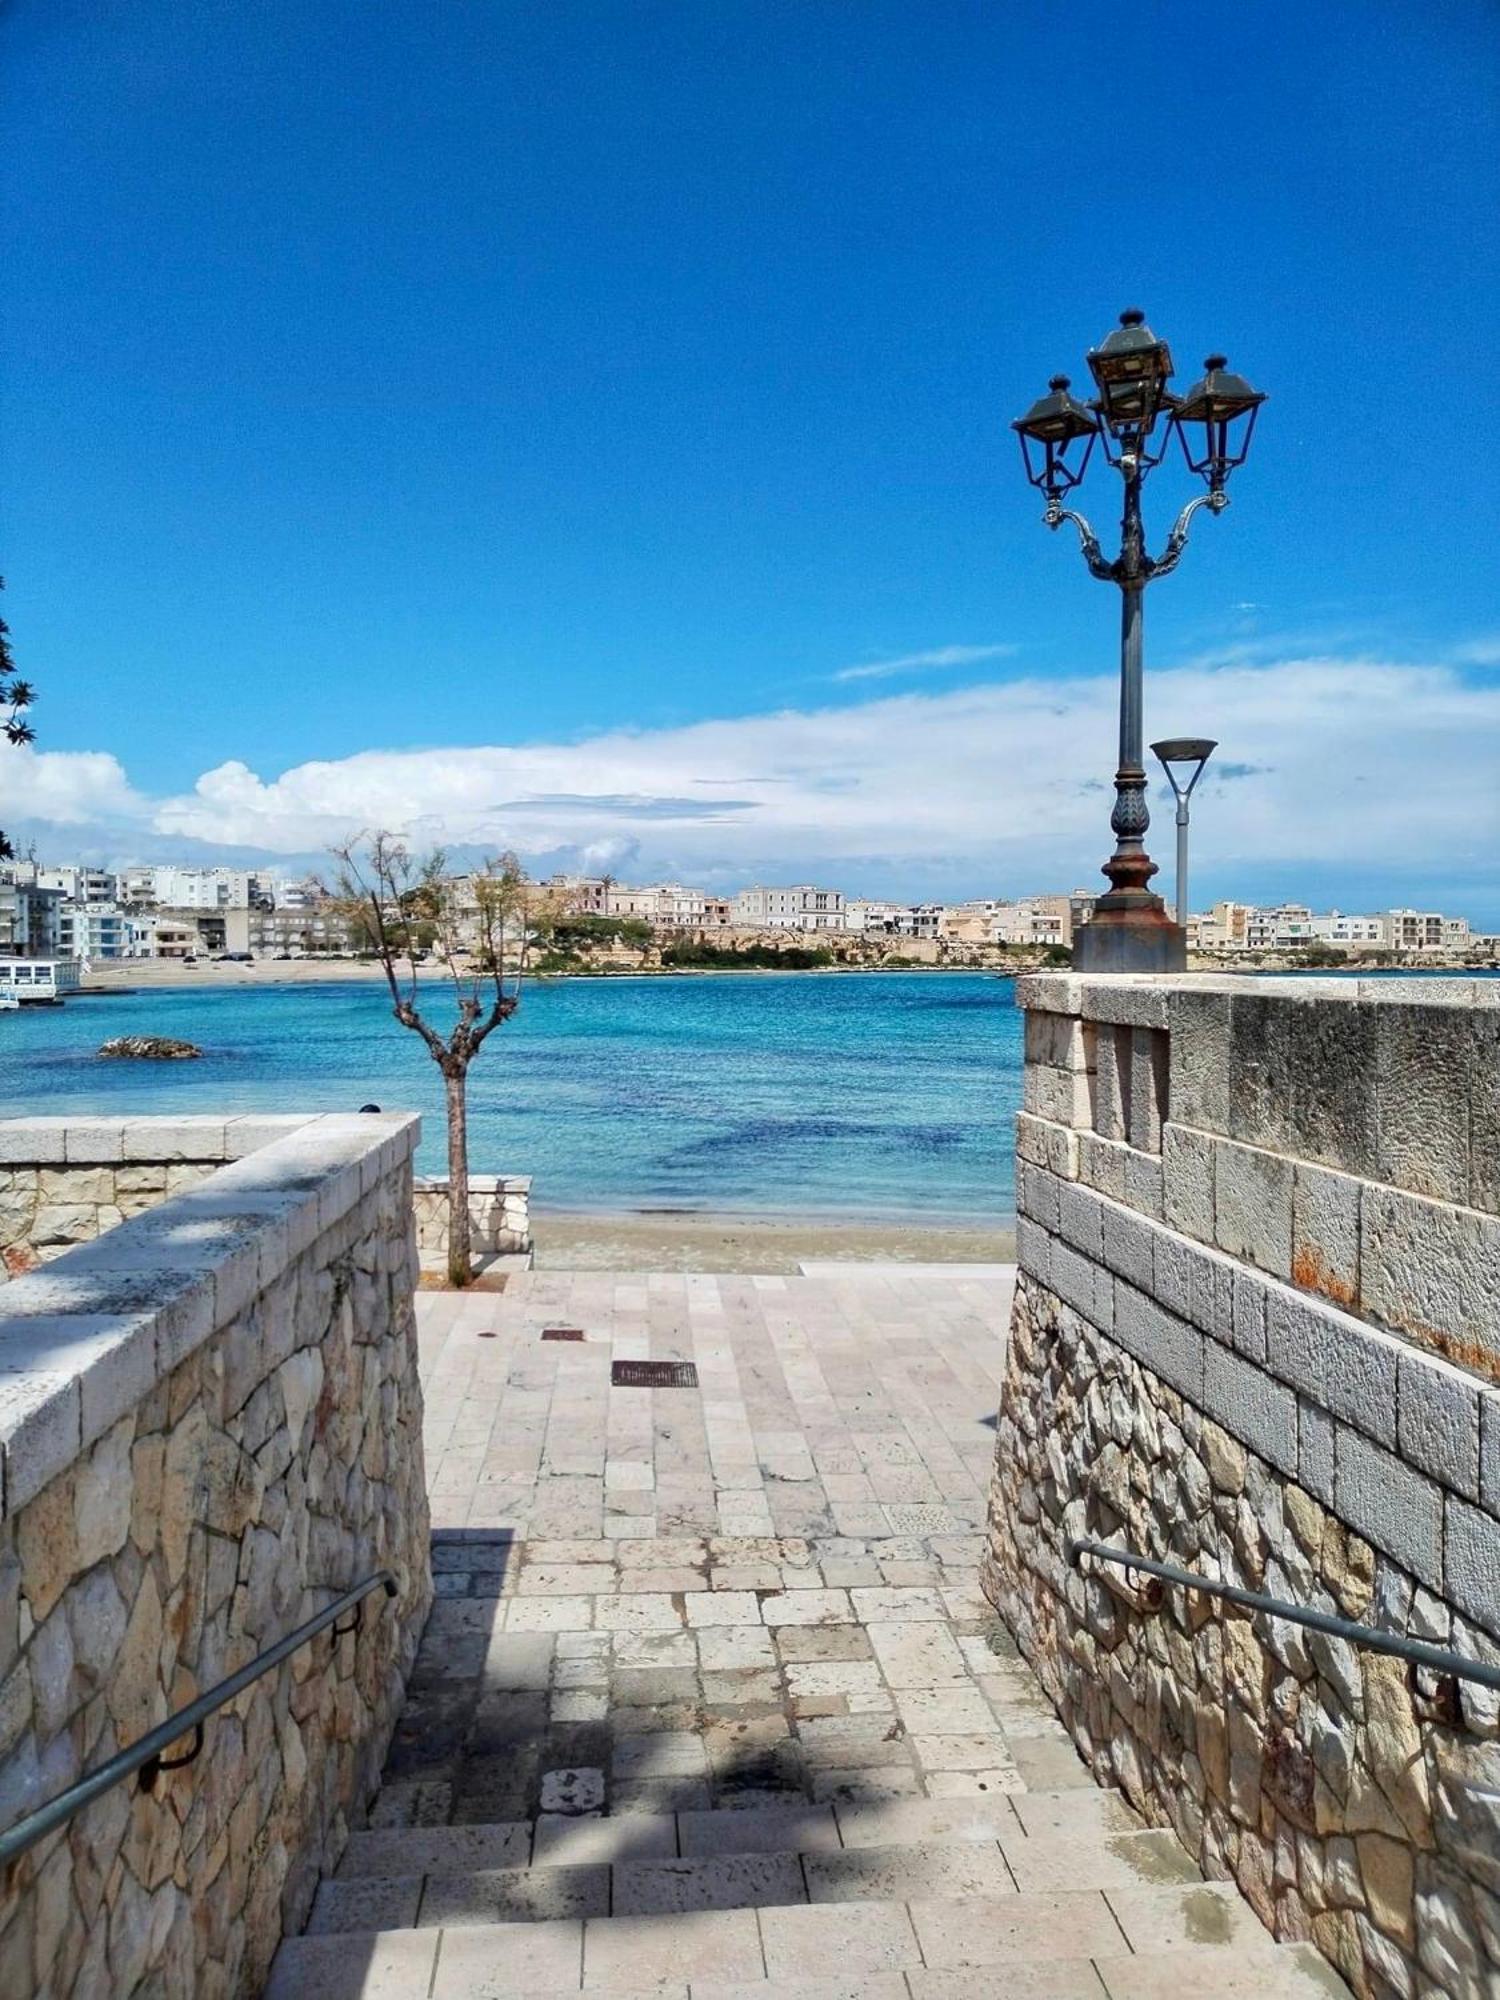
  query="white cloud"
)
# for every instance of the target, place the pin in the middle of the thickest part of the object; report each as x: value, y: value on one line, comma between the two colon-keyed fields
x: 1324, y: 764
x: 940, y: 656
x: 65, y: 788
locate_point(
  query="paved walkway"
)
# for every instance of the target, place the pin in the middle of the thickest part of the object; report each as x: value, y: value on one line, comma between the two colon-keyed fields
x: 614, y: 1560
x: 709, y: 1705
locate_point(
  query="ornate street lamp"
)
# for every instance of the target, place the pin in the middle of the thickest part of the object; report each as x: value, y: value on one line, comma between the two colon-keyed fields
x: 1133, y: 418
x: 1192, y: 753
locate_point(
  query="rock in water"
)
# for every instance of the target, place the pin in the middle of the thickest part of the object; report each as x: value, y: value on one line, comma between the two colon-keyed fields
x: 150, y: 1048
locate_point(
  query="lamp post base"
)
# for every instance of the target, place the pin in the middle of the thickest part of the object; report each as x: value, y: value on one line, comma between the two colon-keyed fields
x: 1134, y: 936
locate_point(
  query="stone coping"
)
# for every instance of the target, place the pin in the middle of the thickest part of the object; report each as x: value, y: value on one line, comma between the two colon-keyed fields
x: 94, y: 1142
x: 1144, y: 997
x: 85, y: 1339
x: 478, y: 1183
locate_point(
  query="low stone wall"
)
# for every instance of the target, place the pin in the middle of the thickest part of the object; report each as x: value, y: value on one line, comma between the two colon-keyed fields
x: 210, y: 1425
x: 67, y: 1180
x: 1256, y: 1330
x: 499, y: 1216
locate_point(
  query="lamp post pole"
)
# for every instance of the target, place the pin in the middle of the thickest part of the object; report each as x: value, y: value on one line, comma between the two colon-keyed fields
x: 1196, y: 751
x: 1130, y: 930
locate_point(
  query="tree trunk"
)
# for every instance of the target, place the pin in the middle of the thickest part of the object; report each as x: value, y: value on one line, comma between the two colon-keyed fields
x: 460, y: 1259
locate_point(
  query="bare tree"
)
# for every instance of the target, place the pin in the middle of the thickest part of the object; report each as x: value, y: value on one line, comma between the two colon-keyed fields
x: 474, y: 931
x: 16, y: 696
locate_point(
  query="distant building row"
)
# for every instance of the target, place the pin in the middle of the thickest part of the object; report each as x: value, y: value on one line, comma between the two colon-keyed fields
x: 90, y: 914
x: 804, y: 907
x: 168, y: 911
x: 1239, y: 927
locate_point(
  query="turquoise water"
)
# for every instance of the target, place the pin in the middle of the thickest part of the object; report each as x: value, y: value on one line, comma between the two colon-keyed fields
x: 870, y: 1095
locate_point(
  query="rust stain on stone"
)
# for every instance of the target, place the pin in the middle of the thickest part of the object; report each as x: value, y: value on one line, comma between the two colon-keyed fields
x: 1463, y: 1352
x: 1311, y: 1274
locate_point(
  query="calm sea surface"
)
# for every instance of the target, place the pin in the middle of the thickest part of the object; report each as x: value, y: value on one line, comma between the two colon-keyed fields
x: 862, y: 1095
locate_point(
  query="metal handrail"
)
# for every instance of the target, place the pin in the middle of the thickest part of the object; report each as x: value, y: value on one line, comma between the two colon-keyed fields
x: 1416, y: 1651
x: 146, y: 1755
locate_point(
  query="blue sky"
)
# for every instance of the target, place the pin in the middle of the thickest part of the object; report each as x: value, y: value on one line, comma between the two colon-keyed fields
x: 537, y: 380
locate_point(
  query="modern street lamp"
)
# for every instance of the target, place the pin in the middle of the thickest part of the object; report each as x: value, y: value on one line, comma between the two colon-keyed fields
x: 1130, y: 930
x: 1192, y: 752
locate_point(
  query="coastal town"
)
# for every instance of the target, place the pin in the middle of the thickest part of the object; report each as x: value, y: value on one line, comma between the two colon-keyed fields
x: 77, y: 920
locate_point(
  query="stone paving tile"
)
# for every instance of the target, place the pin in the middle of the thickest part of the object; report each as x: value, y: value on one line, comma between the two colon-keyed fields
x: 1058, y: 1979
x: 820, y: 1940
x: 392, y: 1967
x: 985, y: 1930
x: 863, y: 1986
x: 515, y: 1896
x: 894, y: 1874
x: 537, y: 1958
x: 436, y: 1850
x: 717, y: 1882
x: 688, y: 1945
x: 1297, y: 1972
x: 366, y: 1903
x: 1202, y: 1913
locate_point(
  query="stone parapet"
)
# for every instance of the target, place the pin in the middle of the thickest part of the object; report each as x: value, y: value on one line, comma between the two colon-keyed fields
x: 499, y: 1216
x: 1257, y: 1334
x: 67, y: 1180
x: 210, y: 1425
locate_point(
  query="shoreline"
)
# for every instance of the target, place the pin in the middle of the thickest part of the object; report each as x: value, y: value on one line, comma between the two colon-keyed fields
x: 168, y: 975
x: 581, y: 1240
x: 124, y: 976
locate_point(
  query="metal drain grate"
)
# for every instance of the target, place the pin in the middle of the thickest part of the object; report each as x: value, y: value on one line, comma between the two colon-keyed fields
x: 562, y: 1333
x: 653, y: 1375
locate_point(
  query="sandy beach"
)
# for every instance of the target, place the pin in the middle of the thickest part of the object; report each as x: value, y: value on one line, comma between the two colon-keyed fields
x: 771, y: 1244
x: 120, y: 975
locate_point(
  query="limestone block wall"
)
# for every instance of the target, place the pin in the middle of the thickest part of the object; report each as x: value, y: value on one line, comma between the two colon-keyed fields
x: 1257, y: 1334
x: 210, y: 1425
x: 499, y: 1216
x: 67, y: 1180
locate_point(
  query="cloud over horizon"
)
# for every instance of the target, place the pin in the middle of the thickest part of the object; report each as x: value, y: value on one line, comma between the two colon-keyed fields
x: 1326, y: 763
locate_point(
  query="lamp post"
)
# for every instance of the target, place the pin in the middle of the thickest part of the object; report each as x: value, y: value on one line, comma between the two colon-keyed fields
x: 1133, y: 417
x: 1184, y: 750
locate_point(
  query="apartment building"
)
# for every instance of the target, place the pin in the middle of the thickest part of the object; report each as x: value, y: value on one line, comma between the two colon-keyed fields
x: 96, y: 930
x: 172, y: 888
x: 28, y: 912
x: 81, y: 885
x: 801, y: 907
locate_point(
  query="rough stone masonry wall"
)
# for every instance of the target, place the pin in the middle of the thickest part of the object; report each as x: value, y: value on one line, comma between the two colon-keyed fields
x: 210, y: 1423
x: 68, y: 1180
x: 499, y: 1216
x: 1256, y: 1333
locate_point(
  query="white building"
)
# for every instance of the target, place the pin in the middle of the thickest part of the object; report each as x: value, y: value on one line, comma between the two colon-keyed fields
x: 799, y: 908
x: 1424, y: 930
x: 96, y: 930
x: 81, y: 885
x: 172, y: 888
x: 28, y: 912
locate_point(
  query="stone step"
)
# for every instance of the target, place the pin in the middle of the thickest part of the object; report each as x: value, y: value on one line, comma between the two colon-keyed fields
x: 863, y: 1872
x: 1183, y: 1942
x: 560, y: 1840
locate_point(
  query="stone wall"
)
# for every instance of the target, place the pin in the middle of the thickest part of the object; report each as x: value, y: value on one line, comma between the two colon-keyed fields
x: 1256, y: 1334
x: 210, y: 1425
x: 67, y: 1180
x: 499, y: 1216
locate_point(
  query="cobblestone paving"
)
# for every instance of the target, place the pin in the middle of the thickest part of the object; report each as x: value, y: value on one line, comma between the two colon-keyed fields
x: 758, y: 1591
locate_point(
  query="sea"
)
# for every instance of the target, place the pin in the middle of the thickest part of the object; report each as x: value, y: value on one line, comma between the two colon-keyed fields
x: 862, y: 1096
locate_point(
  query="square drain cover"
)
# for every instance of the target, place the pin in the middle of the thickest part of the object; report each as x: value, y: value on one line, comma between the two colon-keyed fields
x: 653, y: 1375
x: 562, y: 1333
